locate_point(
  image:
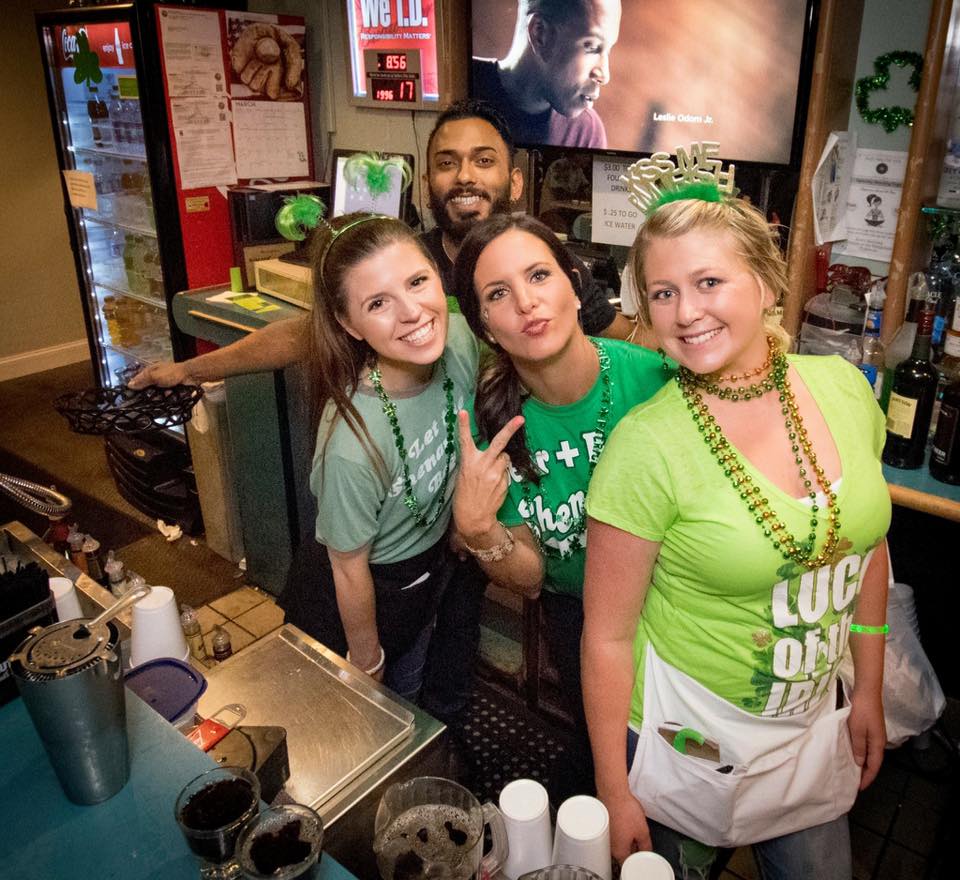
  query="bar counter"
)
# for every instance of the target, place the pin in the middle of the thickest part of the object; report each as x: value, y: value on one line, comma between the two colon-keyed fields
x: 131, y: 836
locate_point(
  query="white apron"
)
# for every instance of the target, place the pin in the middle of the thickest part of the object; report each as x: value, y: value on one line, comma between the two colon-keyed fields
x: 789, y: 773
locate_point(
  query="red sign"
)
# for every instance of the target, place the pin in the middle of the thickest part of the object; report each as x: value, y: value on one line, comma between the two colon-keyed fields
x: 111, y: 43
x: 387, y: 25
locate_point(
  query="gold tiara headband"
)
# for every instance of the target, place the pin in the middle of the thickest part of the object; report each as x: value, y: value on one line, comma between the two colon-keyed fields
x: 696, y: 174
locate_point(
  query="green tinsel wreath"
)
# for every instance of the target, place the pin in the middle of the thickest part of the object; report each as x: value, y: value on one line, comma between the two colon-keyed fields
x: 891, y: 118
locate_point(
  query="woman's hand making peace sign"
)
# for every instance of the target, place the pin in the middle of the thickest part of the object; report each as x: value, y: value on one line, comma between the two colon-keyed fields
x: 481, y: 490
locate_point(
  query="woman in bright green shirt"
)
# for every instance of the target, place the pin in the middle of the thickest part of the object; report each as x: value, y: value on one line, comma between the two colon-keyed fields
x: 737, y: 526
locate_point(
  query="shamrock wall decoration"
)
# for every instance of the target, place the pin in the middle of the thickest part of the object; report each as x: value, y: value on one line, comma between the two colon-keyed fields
x: 891, y: 118
x: 86, y: 63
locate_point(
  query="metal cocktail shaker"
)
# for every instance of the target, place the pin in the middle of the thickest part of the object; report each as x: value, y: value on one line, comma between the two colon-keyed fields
x: 70, y: 679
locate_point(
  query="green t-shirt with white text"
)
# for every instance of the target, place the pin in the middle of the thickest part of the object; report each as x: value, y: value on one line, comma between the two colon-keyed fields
x: 723, y: 605
x: 356, y: 506
x: 562, y: 440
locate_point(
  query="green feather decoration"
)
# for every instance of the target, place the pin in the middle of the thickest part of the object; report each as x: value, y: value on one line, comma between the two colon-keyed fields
x: 298, y: 216
x: 705, y: 192
x: 374, y: 170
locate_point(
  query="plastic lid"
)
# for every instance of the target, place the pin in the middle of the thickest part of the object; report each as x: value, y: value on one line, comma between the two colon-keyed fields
x: 169, y: 686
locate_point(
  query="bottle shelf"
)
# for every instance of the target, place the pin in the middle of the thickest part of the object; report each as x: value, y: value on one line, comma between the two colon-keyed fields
x: 113, y: 154
x: 140, y: 297
x: 91, y: 217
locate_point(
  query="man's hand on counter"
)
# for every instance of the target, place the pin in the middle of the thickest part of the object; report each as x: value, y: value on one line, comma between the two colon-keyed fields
x: 166, y: 374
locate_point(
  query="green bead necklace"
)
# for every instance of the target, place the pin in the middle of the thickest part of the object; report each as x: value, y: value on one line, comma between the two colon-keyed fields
x: 579, y: 523
x: 450, y: 419
x: 800, y: 552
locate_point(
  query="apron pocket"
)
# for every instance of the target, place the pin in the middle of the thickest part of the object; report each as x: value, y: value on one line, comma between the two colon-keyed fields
x: 685, y: 793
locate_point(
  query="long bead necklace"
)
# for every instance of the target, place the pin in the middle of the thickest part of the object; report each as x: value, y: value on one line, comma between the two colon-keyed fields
x: 410, y: 500
x: 600, y: 438
x: 799, y: 551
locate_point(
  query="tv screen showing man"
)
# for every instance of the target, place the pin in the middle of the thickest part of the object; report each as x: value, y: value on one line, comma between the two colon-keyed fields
x: 640, y: 76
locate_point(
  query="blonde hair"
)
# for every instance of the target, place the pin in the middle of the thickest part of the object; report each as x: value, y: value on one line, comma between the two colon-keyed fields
x: 757, y: 244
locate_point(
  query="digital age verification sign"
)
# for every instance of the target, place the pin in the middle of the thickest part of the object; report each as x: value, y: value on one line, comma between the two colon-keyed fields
x: 615, y: 220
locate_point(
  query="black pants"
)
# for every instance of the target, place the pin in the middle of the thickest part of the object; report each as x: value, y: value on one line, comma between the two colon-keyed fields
x: 563, y: 627
x: 407, y: 592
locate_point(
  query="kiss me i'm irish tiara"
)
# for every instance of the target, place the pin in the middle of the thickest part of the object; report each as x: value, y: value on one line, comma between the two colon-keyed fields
x: 696, y: 173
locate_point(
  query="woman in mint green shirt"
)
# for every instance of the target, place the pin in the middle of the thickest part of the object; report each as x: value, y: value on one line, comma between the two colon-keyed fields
x: 737, y: 526
x: 526, y: 523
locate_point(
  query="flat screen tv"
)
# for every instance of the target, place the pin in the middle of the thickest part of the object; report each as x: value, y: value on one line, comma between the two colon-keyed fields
x: 679, y: 71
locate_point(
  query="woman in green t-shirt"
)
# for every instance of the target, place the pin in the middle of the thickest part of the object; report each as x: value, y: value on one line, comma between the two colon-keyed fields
x: 737, y: 526
x: 388, y: 370
x: 525, y: 524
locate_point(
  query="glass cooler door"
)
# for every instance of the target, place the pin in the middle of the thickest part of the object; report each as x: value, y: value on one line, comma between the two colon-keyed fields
x: 101, y: 129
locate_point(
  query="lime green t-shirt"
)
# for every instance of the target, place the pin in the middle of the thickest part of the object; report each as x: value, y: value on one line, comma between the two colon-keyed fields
x: 723, y: 605
x: 562, y: 440
x: 356, y: 507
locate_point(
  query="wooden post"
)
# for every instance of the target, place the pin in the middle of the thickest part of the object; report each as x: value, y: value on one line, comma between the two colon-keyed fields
x: 924, y: 161
x: 835, y: 60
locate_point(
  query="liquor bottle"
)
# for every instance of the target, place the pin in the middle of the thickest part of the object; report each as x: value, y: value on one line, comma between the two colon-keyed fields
x: 872, y: 357
x: 116, y: 576
x: 191, y: 629
x: 902, y: 343
x: 912, y: 394
x: 97, y: 111
x: 945, y: 452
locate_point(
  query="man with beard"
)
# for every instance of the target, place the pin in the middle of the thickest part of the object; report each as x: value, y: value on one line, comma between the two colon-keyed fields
x: 548, y: 82
x: 469, y: 176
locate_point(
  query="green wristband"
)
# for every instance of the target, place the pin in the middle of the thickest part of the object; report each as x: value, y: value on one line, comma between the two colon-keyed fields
x: 870, y: 630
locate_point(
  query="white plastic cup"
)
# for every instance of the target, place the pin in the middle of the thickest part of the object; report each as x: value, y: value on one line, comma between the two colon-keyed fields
x: 66, y: 599
x: 156, y: 628
x: 645, y: 866
x: 526, y: 815
x: 583, y: 835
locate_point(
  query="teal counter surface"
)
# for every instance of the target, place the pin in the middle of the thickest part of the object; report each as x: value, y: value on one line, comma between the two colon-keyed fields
x: 917, y: 489
x: 131, y: 836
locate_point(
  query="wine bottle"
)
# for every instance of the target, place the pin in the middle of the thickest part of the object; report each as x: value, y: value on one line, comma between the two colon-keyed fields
x: 902, y: 343
x: 912, y: 394
x: 945, y: 453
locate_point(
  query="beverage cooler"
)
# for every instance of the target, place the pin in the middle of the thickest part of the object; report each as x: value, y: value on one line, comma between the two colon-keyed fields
x: 153, y: 122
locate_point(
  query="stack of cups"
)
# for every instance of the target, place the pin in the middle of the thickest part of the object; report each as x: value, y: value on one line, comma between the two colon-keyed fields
x: 65, y: 598
x: 645, y: 866
x: 583, y: 835
x: 526, y: 815
x: 156, y: 628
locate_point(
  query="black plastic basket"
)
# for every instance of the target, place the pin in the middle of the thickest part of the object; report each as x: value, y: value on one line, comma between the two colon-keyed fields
x: 127, y: 411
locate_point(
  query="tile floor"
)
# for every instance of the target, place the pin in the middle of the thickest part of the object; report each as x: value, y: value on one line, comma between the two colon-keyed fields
x: 247, y: 614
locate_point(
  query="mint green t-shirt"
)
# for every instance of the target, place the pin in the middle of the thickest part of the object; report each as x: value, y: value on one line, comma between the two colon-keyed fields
x: 562, y: 440
x: 724, y: 606
x: 356, y: 506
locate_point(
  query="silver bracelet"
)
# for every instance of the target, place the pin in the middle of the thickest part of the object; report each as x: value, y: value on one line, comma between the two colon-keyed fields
x: 373, y: 670
x: 496, y: 553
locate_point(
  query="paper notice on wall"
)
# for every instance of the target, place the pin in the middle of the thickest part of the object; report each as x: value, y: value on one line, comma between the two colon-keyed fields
x: 193, y: 53
x: 201, y: 128
x: 831, y: 187
x: 271, y: 139
x: 81, y: 189
x: 873, y: 203
x: 615, y: 220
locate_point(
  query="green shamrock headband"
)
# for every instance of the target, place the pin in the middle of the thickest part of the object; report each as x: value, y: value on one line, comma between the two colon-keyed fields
x: 696, y: 174
x: 374, y: 170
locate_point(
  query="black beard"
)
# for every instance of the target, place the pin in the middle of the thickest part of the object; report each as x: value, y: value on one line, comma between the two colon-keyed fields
x: 456, y: 230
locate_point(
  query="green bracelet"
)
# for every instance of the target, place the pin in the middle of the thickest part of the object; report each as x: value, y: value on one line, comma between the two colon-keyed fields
x: 870, y: 630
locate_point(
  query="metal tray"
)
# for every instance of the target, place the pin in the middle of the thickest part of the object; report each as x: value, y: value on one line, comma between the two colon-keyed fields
x: 338, y: 722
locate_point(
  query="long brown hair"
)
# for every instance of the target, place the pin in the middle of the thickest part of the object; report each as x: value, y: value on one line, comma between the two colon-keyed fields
x: 335, y: 359
x: 500, y: 393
